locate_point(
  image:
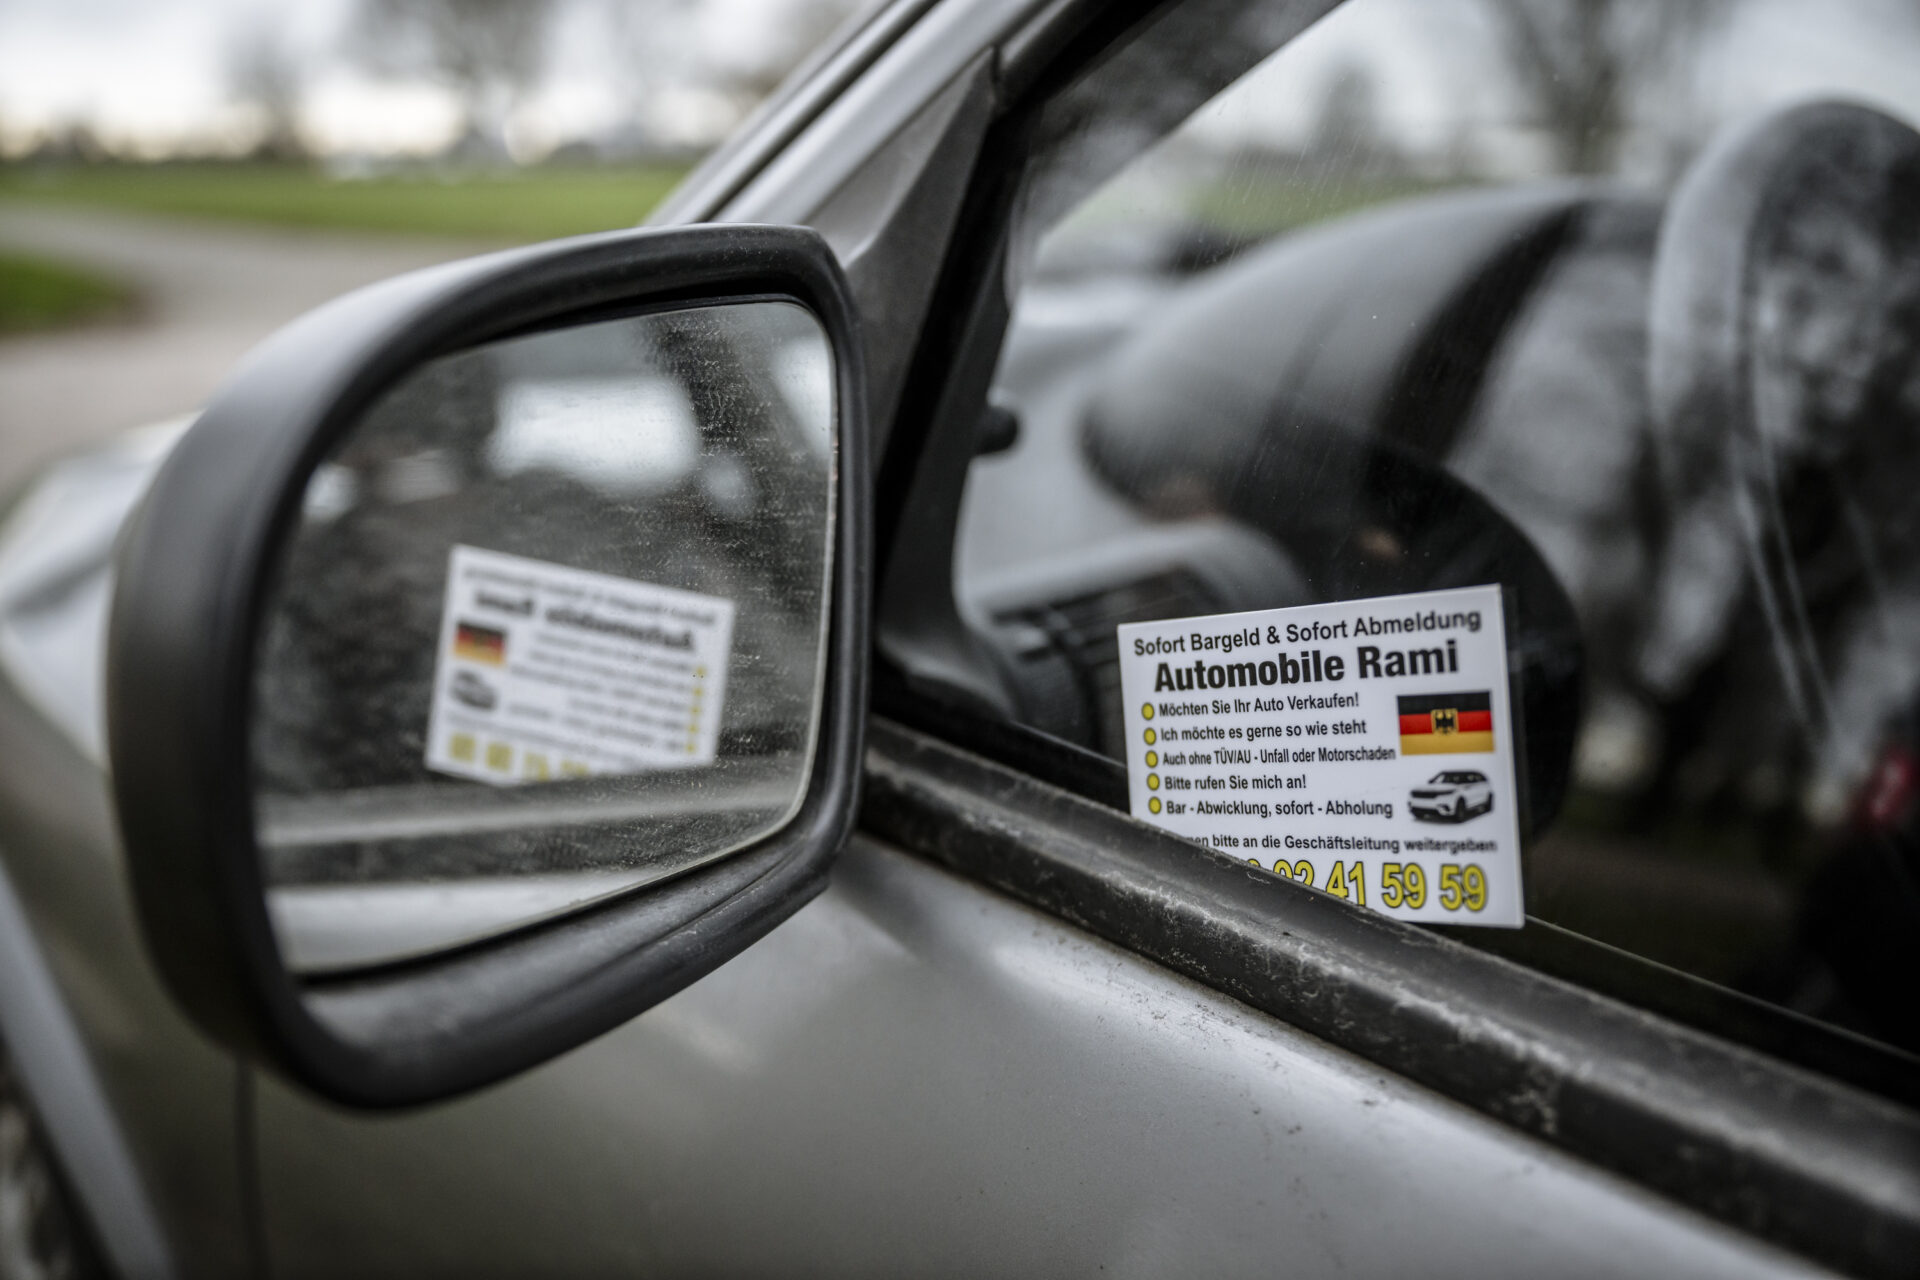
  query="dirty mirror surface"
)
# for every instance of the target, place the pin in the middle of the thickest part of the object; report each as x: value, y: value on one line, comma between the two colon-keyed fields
x: 550, y: 626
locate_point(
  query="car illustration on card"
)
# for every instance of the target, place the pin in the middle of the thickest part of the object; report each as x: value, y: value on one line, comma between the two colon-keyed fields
x: 474, y: 692
x: 1452, y: 796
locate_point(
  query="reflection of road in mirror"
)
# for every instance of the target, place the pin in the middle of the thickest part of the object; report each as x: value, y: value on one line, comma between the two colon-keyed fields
x: 620, y: 435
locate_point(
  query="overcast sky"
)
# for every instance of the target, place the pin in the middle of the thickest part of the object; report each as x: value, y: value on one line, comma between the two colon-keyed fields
x: 152, y: 74
x: 1433, y: 71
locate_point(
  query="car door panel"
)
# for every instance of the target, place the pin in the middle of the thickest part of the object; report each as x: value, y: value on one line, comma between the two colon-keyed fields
x: 916, y: 1075
x: 171, y: 1094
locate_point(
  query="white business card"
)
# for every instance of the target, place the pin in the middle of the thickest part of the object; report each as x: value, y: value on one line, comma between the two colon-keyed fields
x: 1363, y: 747
x: 545, y: 672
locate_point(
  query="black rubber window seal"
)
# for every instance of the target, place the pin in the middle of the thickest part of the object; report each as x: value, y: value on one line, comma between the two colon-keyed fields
x: 1543, y: 946
x: 1787, y: 1155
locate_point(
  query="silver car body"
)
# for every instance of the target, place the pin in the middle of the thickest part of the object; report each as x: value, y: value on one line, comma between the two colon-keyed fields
x: 918, y: 1074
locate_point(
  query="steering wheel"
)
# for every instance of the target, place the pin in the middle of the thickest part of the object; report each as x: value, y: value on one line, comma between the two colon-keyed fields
x: 1785, y: 386
x: 1784, y: 378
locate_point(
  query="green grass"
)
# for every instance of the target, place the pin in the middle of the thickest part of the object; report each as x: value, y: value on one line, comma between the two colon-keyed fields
x: 1263, y: 205
x: 533, y: 204
x: 37, y: 294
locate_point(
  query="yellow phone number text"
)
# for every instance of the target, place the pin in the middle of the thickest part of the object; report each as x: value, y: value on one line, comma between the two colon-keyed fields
x: 1402, y: 884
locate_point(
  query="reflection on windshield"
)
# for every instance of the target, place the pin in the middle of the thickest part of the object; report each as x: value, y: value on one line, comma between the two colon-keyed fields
x: 1623, y: 313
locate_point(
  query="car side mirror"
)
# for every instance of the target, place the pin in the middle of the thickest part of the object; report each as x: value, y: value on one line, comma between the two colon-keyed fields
x: 488, y: 662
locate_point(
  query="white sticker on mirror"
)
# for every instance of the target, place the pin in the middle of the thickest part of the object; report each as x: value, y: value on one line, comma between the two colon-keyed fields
x: 549, y: 672
x: 1363, y: 747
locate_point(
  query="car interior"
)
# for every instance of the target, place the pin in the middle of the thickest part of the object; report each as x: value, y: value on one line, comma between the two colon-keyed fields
x: 1531, y: 384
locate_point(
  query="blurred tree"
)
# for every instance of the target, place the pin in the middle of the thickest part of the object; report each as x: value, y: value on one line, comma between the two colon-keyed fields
x: 70, y: 142
x: 488, y: 53
x: 664, y: 46
x: 264, y: 76
x: 1347, y: 135
x: 1579, y: 65
x: 654, y: 44
x: 800, y: 27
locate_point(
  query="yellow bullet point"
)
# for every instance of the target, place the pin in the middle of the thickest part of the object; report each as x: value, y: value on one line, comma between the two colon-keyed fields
x: 1151, y: 737
x: 1153, y: 759
x: 1146, y: 710
x: 1153, y: 804
x: 1153, y: 782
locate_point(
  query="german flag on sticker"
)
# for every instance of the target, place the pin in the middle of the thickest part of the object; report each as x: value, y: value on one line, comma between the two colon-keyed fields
x: 1438, y: 724
x: 476, y: 643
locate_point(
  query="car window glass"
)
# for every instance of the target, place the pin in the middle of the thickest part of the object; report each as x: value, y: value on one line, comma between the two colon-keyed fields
x: 1625, y: 296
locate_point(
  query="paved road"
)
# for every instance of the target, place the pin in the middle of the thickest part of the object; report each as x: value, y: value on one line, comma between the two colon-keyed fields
x: 211, y: 291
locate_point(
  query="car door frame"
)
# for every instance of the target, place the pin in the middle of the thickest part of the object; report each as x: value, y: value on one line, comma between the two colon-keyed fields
x: 1785, y: 1129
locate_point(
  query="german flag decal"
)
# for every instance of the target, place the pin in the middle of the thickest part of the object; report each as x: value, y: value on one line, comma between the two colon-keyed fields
x: 1437, y: 724
x: 476, y: 643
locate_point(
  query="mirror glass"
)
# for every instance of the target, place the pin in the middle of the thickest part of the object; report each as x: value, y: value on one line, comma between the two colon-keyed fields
x: 550, y: 625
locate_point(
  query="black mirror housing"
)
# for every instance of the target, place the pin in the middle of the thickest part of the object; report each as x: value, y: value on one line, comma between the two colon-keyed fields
x: 192, y: 572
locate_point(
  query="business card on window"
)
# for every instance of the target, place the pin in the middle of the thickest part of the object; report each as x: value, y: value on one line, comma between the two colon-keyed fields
x: 1363, y: 747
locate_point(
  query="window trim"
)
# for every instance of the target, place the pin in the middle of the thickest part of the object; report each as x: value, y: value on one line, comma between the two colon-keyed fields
x: 1786, y: 1155
x: 1654, y: 988
x: 841, y: 59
